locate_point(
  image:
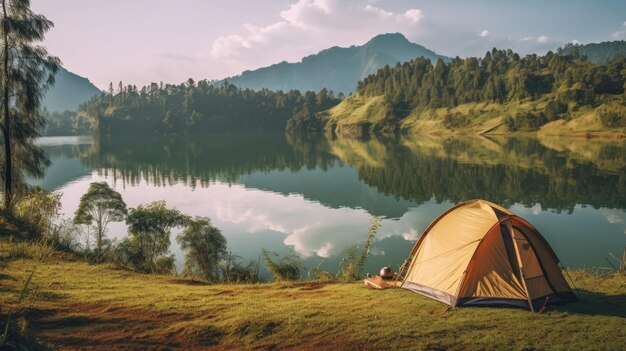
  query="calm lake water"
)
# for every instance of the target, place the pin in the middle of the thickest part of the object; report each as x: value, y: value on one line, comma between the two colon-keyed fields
x: 315, y: 196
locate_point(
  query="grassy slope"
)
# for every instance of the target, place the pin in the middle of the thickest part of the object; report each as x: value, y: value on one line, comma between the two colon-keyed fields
x: 74, y: 305
x: 486, y: 118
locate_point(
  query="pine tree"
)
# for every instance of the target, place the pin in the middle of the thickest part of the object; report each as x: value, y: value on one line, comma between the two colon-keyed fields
x: 27, y: 72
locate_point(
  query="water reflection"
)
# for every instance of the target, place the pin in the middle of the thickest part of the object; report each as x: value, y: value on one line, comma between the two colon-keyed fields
x: 315, y: 195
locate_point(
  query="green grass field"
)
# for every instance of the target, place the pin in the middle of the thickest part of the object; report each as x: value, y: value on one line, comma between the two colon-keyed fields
x: 72, y: 305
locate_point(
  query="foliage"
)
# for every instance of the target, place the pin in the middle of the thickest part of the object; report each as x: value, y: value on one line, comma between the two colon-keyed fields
x: 234, y: 271
x: 38, y: 250
x: 285, y: 269
x: 38, y: 210
x: 526, y: 121
x: 164, y: 265
x: 554, y: 109
x: 149, y: 235
x: 455, y: 120
x: 26, y: 73
x: 65, y: 123
x: 204, y: 247
x: 352, y: 265
x: 99, y: 207
x: 612, y: 120
x: 196, y: 107
x: 499, y: 77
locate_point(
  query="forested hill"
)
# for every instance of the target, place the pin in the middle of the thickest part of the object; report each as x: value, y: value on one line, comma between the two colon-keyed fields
x: 336, y: 69
x: 598, y: 53
x: 501, y: 90
x: 69, y: 91
x: 198, y: 107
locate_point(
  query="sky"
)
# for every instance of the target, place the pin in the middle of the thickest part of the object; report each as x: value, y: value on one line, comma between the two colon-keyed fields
x: 144, y: 41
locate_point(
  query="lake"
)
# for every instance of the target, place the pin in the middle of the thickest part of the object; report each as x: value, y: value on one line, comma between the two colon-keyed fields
x: 315, y: 196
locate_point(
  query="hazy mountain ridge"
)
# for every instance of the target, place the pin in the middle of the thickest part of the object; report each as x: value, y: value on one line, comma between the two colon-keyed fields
x: 336, y: 68
x: 69, y: 91
x: 598, y: 53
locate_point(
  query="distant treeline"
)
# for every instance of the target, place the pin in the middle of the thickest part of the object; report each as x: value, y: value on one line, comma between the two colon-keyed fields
x: 568, y: 82
x: 200, y: 107
x: 65, y: 123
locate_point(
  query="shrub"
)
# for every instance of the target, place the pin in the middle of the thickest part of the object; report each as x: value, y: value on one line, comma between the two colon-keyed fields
x: 456, y: 120
x: 612, y: 120
x: 38, y: 210
x: 287, y: 268
x: 553, y: 109
x: 526, y: 121
x: 204, y: 247
x: 164, y: 265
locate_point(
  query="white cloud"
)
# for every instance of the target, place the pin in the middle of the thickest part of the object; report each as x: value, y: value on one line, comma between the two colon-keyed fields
x: 624, y: 24
x: 484, y: 33
x: 543, y: 39
x: 305, y: 28
x: 619, y: 35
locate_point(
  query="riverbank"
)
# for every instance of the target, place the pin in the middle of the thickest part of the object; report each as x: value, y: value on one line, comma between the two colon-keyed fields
x: 73, y: 305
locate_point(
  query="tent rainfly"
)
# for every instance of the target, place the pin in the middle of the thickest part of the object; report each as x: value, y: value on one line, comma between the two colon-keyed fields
x: 480, y: 254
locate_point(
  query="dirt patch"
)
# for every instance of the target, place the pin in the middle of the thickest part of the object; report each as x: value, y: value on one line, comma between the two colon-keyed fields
x: 227, y: 293
x: 303, y: 294
x: 97, y: 327
x: 305, y: 285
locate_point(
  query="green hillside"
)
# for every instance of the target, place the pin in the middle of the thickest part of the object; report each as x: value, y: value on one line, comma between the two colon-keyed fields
x: 598, y: 53
x: 500, y: 93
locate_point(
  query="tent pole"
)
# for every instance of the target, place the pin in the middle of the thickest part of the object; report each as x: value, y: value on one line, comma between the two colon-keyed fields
x: 520, y: 264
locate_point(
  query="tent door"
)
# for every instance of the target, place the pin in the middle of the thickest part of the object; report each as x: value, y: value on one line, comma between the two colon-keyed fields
x: 521, y: 256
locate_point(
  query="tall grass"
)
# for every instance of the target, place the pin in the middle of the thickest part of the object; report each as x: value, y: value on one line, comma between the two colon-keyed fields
x: 352, y: 265
x: 286, y: 268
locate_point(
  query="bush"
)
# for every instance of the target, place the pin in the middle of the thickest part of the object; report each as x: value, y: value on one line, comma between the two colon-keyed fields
x: 39, y: 251
x: 612, y: 120
x: 164, y: 265
x: 456, y: 120
x: 526, y: 121
x: 287, y: 268
x: 553, y: 109
x: 37, y: 210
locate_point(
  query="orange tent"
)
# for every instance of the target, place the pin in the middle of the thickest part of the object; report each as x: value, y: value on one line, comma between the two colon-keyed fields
x: 480, y: 254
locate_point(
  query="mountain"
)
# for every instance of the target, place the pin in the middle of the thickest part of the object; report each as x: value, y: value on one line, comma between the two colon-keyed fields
x: 337, y: 69
x: 598, y: 53
x: 69, y: 91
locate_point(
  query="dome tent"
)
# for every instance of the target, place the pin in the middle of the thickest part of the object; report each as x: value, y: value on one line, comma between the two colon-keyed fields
x: 480, y: 254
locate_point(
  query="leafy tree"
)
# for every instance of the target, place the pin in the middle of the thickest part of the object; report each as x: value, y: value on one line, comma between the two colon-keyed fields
x: 204, y: 247
x: 149, y: 234
x: 98, y: 207
x: 26, y: 73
